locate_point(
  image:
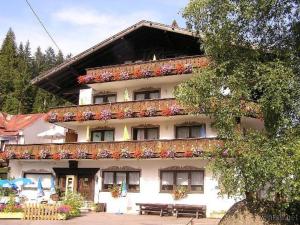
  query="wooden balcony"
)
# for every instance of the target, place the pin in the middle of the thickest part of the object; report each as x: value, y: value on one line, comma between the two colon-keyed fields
x: 176, y: 148
x: 130, y: 109
x: 117, y: 110
x: 157, y: 68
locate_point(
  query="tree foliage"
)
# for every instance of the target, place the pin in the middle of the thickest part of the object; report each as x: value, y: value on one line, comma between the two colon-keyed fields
x: 254, y: 52
x: 17, y: 68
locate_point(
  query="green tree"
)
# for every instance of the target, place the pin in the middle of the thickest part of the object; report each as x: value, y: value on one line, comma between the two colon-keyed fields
x: 254, y: 58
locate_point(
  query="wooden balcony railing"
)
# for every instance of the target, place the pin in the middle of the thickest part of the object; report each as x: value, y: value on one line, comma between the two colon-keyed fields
x: 165, y: 67
x: 130, y: 109
x: 176, y: 148
x: 117, y: 110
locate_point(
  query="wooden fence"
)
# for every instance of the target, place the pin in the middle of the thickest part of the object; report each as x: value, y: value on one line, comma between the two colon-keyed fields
x: 40, y: 212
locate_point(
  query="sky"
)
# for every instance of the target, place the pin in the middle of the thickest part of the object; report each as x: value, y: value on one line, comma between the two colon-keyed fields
x: 79, y: 24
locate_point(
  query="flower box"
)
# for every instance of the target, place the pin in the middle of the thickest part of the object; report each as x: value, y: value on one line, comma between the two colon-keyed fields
x: 62, y: 216
x: 11, y: 215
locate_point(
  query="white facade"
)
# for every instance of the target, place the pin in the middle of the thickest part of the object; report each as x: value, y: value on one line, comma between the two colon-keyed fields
x: 149, y: 183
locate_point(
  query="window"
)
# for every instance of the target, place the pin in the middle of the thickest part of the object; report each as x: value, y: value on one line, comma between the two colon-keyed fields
x: 150, y: 133
x: 45, y: 178
x: 2, y: 144
x: 193, y: 131
x: 142, y: 95
x: 105, y: 98
x: 103, y: 135
x: 131, y: 178
x: 192, y: 179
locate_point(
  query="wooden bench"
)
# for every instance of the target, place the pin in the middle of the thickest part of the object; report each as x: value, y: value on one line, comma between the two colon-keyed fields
x: 190, y: 210
x: 161, y: 209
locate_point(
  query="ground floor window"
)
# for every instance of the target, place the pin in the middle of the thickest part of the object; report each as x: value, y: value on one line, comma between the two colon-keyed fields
x: 45, y: 178
x: 192, y: 179
x: 131, y: 178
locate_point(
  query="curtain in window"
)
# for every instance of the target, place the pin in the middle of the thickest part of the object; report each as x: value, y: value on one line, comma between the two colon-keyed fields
x: 108, y: 178
x: 120, y: 176
x: 99, y: 100
x: 108, y: 135
x: 152, y: 134
x: 202, y: 131
x: 111, y: 99
x: 140, y: 96
x: 167, y: 178
x: 197, y: 178
x: 96, y: 136
x: 140, y: 134
x: 182, y: 178
x: 182, y: 132
x: 134, y: 178
x: 154, y: 95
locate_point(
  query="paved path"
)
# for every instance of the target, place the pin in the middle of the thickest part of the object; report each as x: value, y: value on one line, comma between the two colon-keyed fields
x: 112, y: 219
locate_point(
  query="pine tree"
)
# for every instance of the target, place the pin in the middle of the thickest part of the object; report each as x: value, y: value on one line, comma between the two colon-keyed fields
x: 8, y: 71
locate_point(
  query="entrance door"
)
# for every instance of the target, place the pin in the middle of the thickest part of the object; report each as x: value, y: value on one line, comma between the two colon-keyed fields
x: 86, y: 186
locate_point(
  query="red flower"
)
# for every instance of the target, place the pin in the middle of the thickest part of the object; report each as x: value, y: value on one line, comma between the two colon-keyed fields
x: 79, y: 117
x: 163, y: 153
x: 166, y: 112
x: 137, y: 154
x: 116, y: 154
x: 188, y: 154
x: 56, y: 156
x: 157, y: 72
x: 81, y: 79
x: 116, y: 75
x: 98, y: 77
x: 120, y: 115
x: 179, y: 68
x: 137, y: 73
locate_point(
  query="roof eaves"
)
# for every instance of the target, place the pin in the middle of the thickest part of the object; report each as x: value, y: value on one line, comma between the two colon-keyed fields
x: 108, y: 41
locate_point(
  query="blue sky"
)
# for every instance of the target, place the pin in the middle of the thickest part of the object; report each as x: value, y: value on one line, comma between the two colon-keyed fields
x: 79, y: 24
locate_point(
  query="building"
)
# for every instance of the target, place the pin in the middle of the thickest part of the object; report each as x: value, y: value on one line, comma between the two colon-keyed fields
x: 24, y: 129
x: 128, y: 126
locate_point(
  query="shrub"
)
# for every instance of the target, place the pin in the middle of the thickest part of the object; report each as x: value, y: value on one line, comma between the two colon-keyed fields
x: 75, y: 201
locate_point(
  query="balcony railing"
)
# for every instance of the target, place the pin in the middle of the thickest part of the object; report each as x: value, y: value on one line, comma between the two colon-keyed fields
x: 176, y: 148
x: 130, y: 109
x: 165, y: 67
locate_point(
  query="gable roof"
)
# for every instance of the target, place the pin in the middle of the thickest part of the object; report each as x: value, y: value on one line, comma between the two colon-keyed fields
x: 11, y: 125
x: 54, y: 79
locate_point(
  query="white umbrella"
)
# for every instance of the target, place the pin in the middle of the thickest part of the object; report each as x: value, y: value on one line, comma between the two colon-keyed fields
x: 53, y: 133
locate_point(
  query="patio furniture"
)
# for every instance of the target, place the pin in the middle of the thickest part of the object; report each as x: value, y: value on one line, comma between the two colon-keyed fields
x: 190, y: 210
x: 155, y: 208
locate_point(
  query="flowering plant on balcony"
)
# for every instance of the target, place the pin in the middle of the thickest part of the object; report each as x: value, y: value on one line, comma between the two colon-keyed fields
x: 124, y: 75
x: 25, y: 155
x: 148, y: 153
x: 166, y: 69
x: 107, y: 76
x: 105, y: 114
x: 68, y: 116
x: 126, y: 113
x: 188, y: 153
x: 81, y: 79
x: 137, y: 153
x: 9, y: 155
x: 197, y: 152
x: 103, y: 154
x: 81, y: 154
x: 62, y: 154
x: 125, y: 153
x: 137, y: 73
x: 180, y: 192
x: 157, y: 72
x: 116, y: 154
x: 168, y: 153
x: 188, y: 68
x: 52, y: 117
x: 149, y: 112
x: 44, y: 153
x: 171, y: 110
x: 87, y: 115
x: 179, y: 68
x: 146, y: 73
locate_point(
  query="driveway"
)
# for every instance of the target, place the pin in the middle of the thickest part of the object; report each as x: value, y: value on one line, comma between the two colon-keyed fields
x: 112, y: 219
